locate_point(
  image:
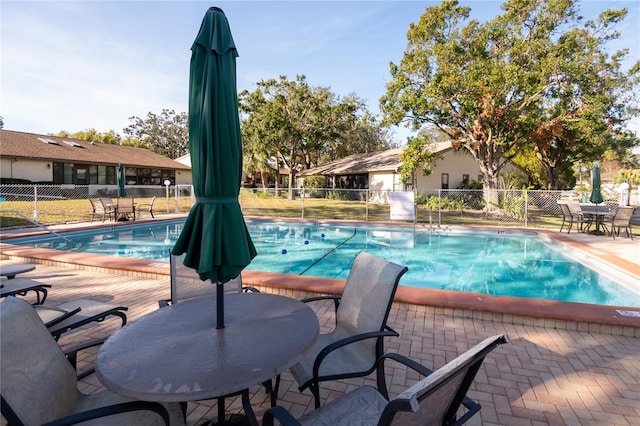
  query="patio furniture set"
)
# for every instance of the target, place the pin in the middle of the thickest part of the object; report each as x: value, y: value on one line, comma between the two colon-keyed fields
x: 154, y: 359
x: 600, y: 216
x: 124, y: 209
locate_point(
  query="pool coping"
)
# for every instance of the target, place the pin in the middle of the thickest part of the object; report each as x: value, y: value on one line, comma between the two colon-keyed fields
x: 506, y: 309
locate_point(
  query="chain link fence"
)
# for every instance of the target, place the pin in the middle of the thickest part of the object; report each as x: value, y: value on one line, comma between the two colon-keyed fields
x: 57, y: 204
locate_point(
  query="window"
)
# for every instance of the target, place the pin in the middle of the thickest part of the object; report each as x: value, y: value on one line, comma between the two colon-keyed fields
x: 444, y: 181
x: 83, y: 174
x: 465, y: 178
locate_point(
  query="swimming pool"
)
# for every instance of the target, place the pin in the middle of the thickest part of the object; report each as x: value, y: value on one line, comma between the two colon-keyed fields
x: 496, y: 263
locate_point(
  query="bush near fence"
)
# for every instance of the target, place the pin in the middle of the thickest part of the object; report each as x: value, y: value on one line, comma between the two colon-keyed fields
x: 57, y: 204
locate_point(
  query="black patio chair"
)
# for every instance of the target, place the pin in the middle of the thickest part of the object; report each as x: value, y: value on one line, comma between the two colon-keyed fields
x: 357, y: 341
x: 22, y: 286
x: 622, y: 220
x: 68, y: 316
x: 39, y: 380
x: 569, y: 217
x: 435, y: 400
x: 146, y: 207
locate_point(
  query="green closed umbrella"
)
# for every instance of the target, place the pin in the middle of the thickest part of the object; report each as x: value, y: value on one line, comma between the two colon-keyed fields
x: 215, y: 237
x: 596, y: 194
x: 121, y: 190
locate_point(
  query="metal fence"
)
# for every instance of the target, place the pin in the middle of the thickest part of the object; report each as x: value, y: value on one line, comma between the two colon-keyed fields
x: 56, y: 204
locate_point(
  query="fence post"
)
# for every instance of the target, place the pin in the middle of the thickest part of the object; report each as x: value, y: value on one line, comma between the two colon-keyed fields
x: 526, y: 208
x: 35, y: 202
x: 302, y: 202
x: 366, y: 205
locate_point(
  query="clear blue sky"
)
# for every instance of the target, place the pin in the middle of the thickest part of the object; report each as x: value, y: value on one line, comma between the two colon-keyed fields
x: 77, y: 65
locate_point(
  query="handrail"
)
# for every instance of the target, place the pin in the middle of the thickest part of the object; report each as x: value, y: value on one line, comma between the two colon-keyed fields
x: 22, y: 215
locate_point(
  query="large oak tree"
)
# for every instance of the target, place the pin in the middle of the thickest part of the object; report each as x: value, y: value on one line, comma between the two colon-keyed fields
x: 516, y: 81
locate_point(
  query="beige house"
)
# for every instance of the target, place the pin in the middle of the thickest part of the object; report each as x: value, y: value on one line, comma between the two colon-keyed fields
x: 64, y: 161
x: 379, y: 171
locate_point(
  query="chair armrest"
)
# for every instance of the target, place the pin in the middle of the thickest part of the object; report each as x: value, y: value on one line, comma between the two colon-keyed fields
x: 344, y: 342
x: 72, y: 355
x: 249, y: 289
x: 471, y: 406
x: 284, y: 417
x: 336, y: 300
x: 110, y: 410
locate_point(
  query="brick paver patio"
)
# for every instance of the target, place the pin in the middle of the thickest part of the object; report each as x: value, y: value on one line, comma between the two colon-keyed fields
x: 544, y: 376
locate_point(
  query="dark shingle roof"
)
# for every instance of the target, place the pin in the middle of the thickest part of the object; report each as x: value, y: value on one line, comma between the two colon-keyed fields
x: 29, y: 145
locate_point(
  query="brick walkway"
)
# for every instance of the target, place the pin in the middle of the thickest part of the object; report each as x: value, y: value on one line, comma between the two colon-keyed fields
x: 544, y: 376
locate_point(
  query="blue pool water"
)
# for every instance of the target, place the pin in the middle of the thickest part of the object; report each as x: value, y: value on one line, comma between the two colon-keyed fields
x: 507, y: 264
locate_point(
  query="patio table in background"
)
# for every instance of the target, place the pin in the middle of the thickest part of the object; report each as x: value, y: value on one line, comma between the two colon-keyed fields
x: 176, y: 354
x: 598, y: 213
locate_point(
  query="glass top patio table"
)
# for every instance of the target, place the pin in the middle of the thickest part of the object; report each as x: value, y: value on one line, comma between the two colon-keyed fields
x: 176, y: 354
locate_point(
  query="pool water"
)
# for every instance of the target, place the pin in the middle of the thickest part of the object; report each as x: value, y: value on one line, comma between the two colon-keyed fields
x: 502, y: 264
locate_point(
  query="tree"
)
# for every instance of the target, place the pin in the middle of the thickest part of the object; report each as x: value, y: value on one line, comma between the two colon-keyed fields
x: 293, y: 125
x: 588, y: 100
x: 419, y: 155
x: 488, y: 86
x: 92, y: 135
x: 165, y: 134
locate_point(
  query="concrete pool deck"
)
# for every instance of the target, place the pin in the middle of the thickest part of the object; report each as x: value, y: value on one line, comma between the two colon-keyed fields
x: 580, y: 371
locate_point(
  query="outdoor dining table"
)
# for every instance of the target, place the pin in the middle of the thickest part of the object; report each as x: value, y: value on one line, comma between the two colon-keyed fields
x: 176, y: 354
x: 10, y: 271
x: 598, y: 214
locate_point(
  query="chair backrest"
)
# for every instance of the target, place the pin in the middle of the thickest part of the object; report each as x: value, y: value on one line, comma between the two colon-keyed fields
x: 623, y: 216
x: 96, y: 205
x: 565, y: 210
x: 186, y: 283
x: 125, y: 205
x: 38, y: 382
x: 436, y: 399
x: 574, y: 209
x: 367, y: 297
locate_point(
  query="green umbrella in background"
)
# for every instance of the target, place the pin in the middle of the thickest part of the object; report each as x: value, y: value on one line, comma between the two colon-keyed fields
x: 215, y: 237
x: 596, y: 194
x: 121, y: 190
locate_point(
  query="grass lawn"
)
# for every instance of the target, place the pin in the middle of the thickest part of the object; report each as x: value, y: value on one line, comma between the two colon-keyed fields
x: 257, y: 204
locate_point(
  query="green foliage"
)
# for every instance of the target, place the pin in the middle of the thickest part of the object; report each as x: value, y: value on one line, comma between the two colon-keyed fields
x: 13, y: 181
x: 471, y: 184
x: 293, y: 125
x: 92, y: 135
x: 314, y: 182
x: 417, y: 155
x: 434, y: 202
x: 165, y: 133
x: 532, y: 78
x: 632, y: 177
x: 515, y: 207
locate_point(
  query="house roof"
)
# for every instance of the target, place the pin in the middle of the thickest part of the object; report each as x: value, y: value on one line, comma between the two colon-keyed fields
x: 53, y: 148
x: 380, y: 161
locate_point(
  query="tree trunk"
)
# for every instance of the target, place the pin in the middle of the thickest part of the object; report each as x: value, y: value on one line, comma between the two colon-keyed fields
x: 292, y: 178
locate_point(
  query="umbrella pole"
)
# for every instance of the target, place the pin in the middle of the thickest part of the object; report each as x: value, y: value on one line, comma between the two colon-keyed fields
x: 219, y: 305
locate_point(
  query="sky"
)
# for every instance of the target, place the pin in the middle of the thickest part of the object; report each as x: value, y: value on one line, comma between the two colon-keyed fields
x: 77, y: 65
